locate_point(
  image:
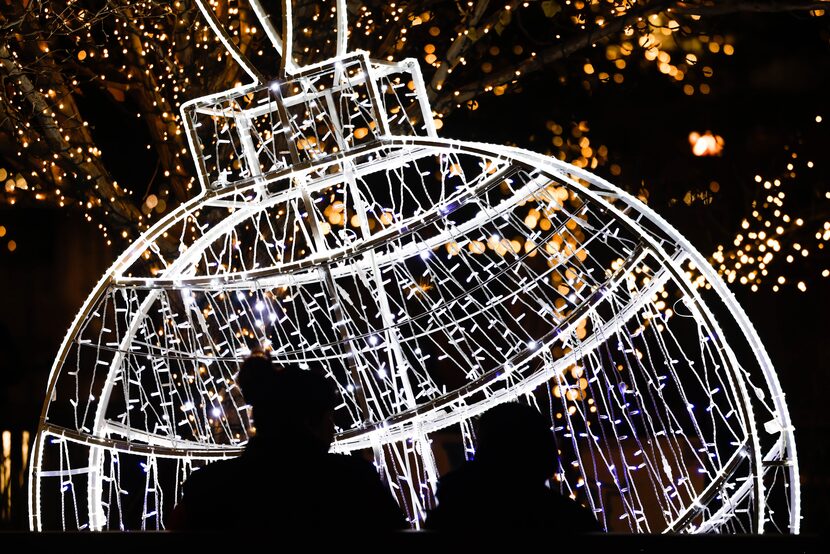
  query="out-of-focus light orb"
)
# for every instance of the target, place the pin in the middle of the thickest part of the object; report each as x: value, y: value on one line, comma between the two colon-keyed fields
x: 707, y: 144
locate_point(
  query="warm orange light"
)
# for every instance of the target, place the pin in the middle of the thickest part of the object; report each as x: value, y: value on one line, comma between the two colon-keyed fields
x: 706, y: 144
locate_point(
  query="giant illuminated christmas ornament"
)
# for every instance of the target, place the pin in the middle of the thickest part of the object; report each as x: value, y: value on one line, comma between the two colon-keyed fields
x: 430, y: 279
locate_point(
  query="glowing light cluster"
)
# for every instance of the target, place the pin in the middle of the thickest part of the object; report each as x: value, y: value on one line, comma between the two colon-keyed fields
x: 772, y: 232
x: 707, y: 144
x: 149, y: 56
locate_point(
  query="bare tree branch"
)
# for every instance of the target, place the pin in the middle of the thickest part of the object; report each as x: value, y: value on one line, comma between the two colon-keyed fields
x: 547, y: 57
x: 459, y: 45
x: 726, y: 7
x: 90, y: 166
x: 46, y: 62
x: 445, y: 103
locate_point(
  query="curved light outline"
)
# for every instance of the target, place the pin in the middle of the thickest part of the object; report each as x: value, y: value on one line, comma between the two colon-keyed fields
x: 558, y: 170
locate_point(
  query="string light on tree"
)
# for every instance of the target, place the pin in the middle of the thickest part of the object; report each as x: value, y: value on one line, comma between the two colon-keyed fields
x: 772, y: 233
x: 148, y: 56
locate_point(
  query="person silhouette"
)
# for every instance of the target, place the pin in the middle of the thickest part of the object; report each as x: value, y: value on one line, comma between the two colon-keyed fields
x: 504, y: 487
x: 286, y: 479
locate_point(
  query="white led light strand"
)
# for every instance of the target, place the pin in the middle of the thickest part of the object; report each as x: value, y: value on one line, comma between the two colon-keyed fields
x: 430, y: 280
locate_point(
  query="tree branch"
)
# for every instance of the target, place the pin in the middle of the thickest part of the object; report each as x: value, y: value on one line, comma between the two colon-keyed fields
x: 100, y: 181
x: 726, y: 7
x: 460, y: 45
x: 546, y: 58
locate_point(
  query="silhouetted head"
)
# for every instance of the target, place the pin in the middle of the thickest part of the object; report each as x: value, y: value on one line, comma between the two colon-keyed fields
x: 288, y: 401
x: 517, y: 439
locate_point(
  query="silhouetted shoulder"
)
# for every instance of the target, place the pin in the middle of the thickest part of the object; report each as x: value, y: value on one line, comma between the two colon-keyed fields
x: 463, y: 500
x: 579, y: 518
x: 217, y: 470
x: 207, y: 488
x: 351, y: 463
x: 368, y: 502
x: 478, y: 496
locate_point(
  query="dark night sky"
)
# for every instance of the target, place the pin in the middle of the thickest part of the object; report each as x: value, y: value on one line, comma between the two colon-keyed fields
x: 764, y: 98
